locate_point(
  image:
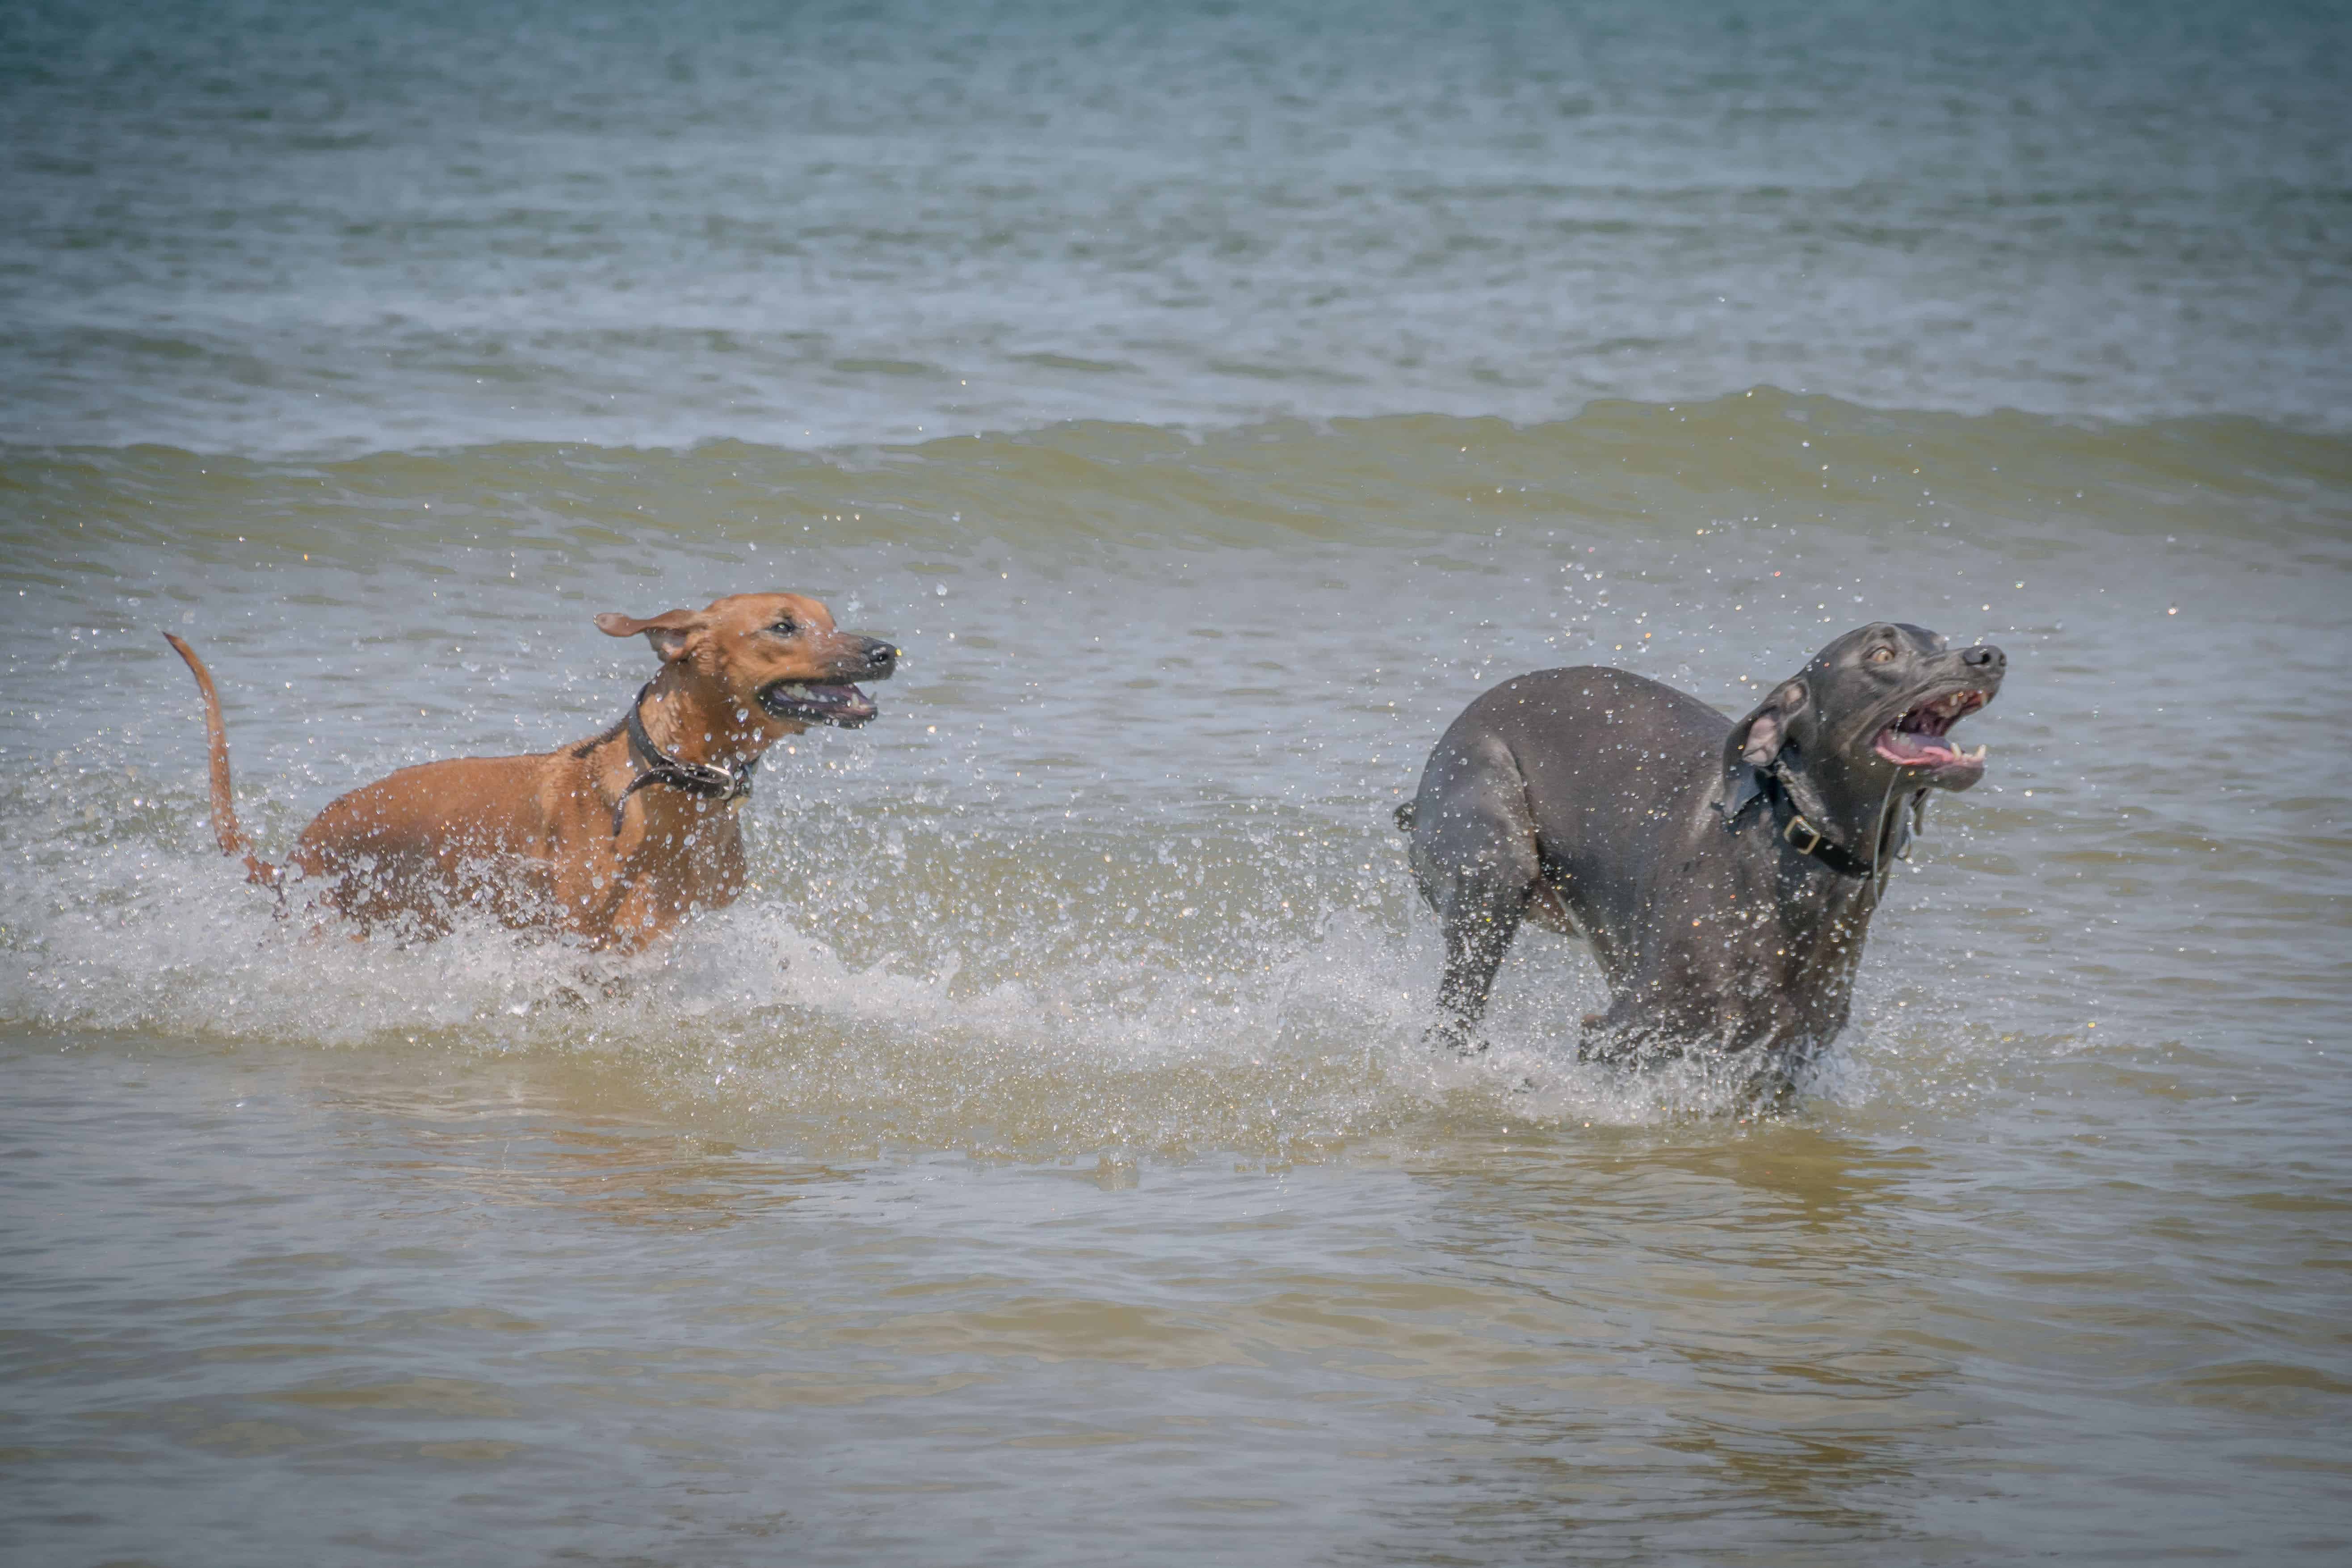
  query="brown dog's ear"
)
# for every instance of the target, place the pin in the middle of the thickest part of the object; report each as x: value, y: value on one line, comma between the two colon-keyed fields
x: 668, y: 632
x: 1754, y: 744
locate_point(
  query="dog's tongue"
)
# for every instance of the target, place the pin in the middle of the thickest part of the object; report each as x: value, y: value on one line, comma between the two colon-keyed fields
x: 847, y: 701
x: 812, y: 702
x: 1911, y: 748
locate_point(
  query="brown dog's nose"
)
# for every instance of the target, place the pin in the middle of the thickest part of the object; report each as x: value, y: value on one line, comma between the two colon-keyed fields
x: 881, y: 657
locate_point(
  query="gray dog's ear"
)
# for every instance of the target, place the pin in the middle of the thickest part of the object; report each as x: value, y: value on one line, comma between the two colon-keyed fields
x: 1754, y: 744
x: 668, y: 632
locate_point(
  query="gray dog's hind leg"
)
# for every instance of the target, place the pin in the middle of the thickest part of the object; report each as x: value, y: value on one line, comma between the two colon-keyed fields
x: 1474, y: 852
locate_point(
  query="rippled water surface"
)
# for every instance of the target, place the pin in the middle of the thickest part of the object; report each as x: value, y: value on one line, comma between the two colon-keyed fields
x: 243, y: 223
x: 1042, y: 1162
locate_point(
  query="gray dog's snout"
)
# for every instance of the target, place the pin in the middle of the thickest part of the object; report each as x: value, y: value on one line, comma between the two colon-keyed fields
x: 1986, y: 658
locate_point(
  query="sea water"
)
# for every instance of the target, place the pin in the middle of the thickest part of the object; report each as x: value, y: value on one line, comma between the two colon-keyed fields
x: 1043, y: 1161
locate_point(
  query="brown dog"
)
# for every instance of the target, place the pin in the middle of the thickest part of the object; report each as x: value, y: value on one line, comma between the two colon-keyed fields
x: 613, y: 839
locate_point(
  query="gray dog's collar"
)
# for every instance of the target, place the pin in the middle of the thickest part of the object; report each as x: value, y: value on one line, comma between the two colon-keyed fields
x: 1797, y: 810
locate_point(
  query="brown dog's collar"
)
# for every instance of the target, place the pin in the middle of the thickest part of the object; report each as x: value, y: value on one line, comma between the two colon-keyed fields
x: 660, y: 768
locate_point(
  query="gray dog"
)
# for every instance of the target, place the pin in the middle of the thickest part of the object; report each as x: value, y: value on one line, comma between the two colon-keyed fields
x: 1724, y: 874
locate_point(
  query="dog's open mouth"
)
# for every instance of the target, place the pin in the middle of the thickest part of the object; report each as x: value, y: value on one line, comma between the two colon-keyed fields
x: 1917, y: 740
x: 844, y: 706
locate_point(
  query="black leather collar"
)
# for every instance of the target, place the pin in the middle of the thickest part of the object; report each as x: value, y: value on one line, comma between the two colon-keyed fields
x: 1800, y: 835
x: 675, y: 772
x: 1791, y: 825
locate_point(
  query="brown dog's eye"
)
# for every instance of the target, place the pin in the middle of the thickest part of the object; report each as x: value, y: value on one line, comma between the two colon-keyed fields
x: 1880, y: 654
x: 784, y: 627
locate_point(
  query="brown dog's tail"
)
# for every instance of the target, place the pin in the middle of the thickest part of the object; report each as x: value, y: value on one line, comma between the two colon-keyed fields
x: 231, y: 837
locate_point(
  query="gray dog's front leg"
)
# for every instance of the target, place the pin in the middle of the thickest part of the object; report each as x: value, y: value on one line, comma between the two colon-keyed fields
x: 1474, y: 852
x: 1475, y: 942
x: 1611, y: 1037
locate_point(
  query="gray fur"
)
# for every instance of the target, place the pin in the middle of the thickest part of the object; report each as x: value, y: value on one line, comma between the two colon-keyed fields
x: 1606, y: 805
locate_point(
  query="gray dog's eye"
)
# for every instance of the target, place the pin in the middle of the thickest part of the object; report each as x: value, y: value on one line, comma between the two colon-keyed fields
x: 1880, y: 654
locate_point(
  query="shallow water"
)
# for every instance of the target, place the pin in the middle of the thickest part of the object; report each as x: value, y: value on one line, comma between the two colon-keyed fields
x: 1046, y: 1146
x: 1043, y: 1160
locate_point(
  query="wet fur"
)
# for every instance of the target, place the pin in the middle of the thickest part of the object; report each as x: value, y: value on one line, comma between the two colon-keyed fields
x: 530, y: 841
x: 1607, y: 806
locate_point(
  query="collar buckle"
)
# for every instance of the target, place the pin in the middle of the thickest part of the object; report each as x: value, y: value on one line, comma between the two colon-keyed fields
x: 1804, y: 848
x: 728, y: 785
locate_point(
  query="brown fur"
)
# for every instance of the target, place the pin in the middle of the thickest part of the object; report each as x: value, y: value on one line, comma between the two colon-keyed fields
x: 530, y: 841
